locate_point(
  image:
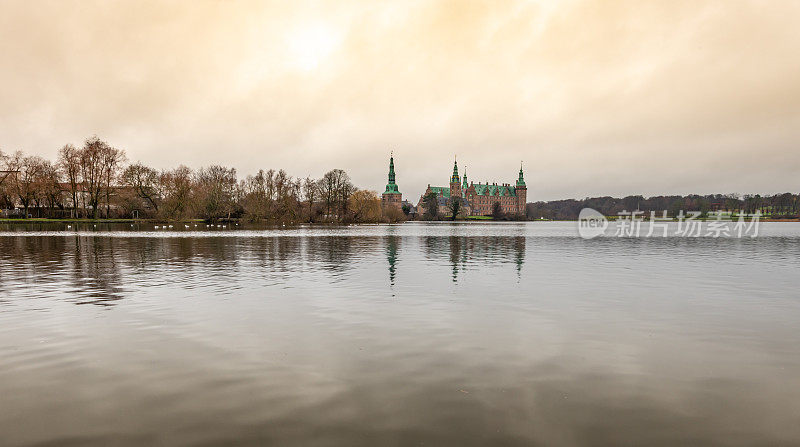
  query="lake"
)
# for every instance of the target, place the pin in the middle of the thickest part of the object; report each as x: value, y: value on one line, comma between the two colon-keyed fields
x: 412, y: 334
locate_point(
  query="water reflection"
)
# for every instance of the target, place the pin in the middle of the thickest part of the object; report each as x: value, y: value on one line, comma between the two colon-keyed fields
x: 332, y: 253
x: 438, y: 335
x: 96, y: 278
x: 465, y: 252
x: 98, y: 266
x: 392, y: 243
x: 88, y: 268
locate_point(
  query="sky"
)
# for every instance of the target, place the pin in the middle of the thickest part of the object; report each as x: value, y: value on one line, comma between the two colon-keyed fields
x: 595, y: 97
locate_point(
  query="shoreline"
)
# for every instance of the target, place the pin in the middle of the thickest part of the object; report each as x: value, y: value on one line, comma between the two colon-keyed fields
x: 37, y: 220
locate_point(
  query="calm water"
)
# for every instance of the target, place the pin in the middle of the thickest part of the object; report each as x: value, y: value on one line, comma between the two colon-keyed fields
x: 414, y: 334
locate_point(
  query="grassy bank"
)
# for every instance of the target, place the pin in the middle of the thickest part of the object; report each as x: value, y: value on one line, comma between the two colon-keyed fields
x: 46, y: 220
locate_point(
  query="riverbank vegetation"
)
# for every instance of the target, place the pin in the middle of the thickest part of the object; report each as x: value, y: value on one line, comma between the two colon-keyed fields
x: 776, y: 206
x: 95, y: 181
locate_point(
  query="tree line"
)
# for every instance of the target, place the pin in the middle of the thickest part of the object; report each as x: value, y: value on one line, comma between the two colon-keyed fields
x: 95, y: 181
x: 778, y: 206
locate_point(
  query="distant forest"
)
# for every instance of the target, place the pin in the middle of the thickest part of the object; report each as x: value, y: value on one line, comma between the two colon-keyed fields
x: 778, y: 206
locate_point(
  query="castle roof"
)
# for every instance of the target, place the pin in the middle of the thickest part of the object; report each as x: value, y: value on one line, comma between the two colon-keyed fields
x: 455, y: 178
x: 480, y: 189
x: 443, y: 190
x: 391, y: 186
x: 521, y: 179
x: 491, y: 190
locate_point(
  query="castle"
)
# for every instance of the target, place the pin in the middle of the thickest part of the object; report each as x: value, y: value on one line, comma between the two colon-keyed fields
x: 479, y: 199
x: 476, y: 199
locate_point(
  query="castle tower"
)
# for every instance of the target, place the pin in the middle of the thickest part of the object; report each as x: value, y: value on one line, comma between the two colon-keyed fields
x: 455, y: 182
x: 392, y: 195
x: 522, y: 192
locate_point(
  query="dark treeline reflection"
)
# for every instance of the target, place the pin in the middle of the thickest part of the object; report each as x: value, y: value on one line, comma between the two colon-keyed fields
x: 96, y: 269
x: 89, y: 268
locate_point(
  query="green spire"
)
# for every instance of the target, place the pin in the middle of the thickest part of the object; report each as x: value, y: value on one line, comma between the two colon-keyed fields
x: 391, y: 187
x: 465, y: 185
x: 520, y: 180
x: 455, y: 178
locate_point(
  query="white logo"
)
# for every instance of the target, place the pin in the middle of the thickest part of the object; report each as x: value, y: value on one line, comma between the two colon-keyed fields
x: 591, y: 223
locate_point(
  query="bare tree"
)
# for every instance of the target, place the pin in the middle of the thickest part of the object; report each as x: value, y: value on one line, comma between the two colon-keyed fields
x: 144, y: 181
x: 176, y: 187
x: 215, y: 187
x: 4, y: 172
x: 24, y: 182
x: 255, y: 200
x: 9, y: 165
x: 310, y: 193
x: 50, y: 186
x: 111, y: 160
x: 69, y: 162
x: 92, y: 171
x: 285, y: 197
x: 45, y: 191
x: 335, y: 189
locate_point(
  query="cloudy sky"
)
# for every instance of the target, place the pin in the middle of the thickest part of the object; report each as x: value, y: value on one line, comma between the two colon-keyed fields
x: 605, y: 97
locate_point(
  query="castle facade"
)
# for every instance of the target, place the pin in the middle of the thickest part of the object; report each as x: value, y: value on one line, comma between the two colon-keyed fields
x: 479, y: 199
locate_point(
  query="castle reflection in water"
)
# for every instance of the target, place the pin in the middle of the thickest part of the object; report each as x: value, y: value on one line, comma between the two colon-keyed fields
x: 101, y: 270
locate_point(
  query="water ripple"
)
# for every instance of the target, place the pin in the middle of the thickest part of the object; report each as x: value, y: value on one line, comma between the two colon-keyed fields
x: 514, y: 334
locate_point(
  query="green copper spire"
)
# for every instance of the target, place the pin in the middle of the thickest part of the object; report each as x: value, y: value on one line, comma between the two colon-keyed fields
x: 520, y: 180
x: 455, y: 178
x: 465, y: 185
x: 391, y: 187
